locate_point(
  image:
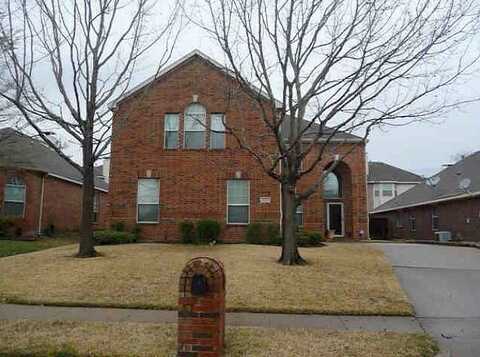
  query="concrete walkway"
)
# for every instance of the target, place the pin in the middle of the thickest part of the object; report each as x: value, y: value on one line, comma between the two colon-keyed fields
x: 340, y: 323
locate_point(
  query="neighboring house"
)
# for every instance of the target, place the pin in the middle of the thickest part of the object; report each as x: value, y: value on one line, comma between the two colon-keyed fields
x: 166, y: 166
x: 385, y: 182
x: 39, y: 189
x: 446, y: 202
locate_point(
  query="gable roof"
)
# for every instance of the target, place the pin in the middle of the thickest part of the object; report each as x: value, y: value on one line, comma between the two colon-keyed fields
x: 382, y: 172
x: 21, y: 151
x: 444, y: 186
x: 340, y: 136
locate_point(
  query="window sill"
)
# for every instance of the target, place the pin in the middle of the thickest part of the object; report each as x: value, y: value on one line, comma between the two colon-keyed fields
x: 237, y: 224
x: 157, y: 222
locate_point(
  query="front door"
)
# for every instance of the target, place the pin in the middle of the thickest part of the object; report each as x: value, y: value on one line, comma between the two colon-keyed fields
x: 335, y: 218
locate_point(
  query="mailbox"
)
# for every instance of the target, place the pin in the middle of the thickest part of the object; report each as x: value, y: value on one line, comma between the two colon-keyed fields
x: 201, y: 309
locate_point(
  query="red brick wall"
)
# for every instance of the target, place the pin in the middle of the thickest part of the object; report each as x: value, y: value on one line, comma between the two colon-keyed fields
x: 64, y: 199
x: 193, y: 182
x: 32, y: 179
x: 453, y: 217
x: 61, y: 202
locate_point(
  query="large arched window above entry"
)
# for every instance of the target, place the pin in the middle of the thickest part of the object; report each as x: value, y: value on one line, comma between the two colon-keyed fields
x: 194, y: 126
x: 332, y: 186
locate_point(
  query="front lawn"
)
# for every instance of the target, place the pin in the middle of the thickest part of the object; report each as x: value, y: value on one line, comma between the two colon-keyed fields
x: 340, y: 279
x: 13, y: 247
x: 34, y: 338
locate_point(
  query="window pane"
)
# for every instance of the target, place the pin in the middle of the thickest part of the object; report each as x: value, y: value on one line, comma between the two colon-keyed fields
x: 147, y: 213
x: 171, y: 122
x: 237, y: 192
x: 195, y: 115
x: 13, y: 209
x: 171, y: 139
x: 387, y: 190
x: 238, y: 214
x: 217, y: 122
x: 194, y: 140
x: 217, y: 141
x: 14, y: 193
x: 331, y: 186
x: 148, y: 191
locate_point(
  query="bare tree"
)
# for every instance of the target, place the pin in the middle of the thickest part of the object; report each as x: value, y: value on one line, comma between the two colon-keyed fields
x: 70, y: 59
x: 338, y: 66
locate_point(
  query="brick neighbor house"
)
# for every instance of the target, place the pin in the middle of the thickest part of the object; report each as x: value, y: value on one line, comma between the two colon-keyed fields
x: 166, y: 167
x: 447, y: 202
x: 39, y: 189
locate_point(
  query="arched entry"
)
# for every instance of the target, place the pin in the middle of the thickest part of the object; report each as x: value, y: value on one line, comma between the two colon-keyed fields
x: 337, y: 198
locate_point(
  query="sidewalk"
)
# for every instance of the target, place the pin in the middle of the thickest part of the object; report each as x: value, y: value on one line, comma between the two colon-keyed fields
x: 339, y: 323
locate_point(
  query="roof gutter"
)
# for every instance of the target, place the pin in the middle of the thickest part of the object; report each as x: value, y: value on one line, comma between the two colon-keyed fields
x: 75, y: 181
x: 459, y: 197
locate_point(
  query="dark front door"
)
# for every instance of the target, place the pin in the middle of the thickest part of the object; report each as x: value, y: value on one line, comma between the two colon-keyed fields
x: 335, y: 218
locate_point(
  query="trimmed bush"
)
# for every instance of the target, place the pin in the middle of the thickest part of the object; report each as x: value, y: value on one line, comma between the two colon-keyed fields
x: 6, y: 226
x: 263, y: 233
x: 118, y: 226
x: 208, y: 231
x: 187, y: 232
x: 113, y: 237
x: 309, y: 239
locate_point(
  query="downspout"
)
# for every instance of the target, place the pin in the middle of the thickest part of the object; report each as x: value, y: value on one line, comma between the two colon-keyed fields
x: 40, y: 216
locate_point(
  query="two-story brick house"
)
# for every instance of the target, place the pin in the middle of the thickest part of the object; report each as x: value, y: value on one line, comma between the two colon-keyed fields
x: 166, y: 167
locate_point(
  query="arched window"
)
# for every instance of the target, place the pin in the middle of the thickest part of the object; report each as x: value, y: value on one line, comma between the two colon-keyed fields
x: 14, y: 198
x: 194, y: 126
x: 332, y: 186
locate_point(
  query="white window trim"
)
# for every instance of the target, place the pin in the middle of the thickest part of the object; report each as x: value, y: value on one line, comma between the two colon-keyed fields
x: 96, y: 201
x: 203, y: 130
x: 410, y: 220
x: 158, y: 204
x: 24, y: 186
x: 435, y: 215
x: 224, y: 133
x: 302, y: 213
x: 169, y: 131
x: 238, y: 205
x: 343, y: 217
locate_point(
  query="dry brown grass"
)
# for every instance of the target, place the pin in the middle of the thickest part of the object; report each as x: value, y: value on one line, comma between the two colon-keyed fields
x: 134, y: 339
x: 340, y: 279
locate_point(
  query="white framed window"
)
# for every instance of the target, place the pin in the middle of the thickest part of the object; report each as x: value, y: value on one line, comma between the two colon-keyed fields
x: 194, y: 126
x: 14, y: 197
x: 148, y: 200
x: 238, y: 202
x: 299, y: 216
x: 387, y: 189
x: 217, y: 133
x: 435, y: 219
x: 96, y: 203
x: 398, y: 222
x: 171, y: 131
x: 332, y: 186
x: 413, y: 223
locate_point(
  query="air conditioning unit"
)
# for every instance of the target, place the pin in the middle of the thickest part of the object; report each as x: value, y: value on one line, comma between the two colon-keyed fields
x: 443, y: 236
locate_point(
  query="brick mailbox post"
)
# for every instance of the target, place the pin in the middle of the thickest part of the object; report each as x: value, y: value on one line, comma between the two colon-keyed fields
x: 201, y: 309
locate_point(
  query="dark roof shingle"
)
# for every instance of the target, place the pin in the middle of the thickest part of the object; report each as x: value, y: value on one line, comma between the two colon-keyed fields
x: 19, y: 150
x: 445, y: 185
x: 380, y: 171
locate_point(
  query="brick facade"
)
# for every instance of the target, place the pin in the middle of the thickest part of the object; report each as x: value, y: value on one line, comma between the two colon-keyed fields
x: 460, y: 217
x: 62, y: 202
x: 193, y: 182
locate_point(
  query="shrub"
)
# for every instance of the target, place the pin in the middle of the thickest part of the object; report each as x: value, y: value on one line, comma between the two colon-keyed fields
x: 208, y: 231
x: 309, y: 239
x: 6, y: 226
x: 263, y: 233
x: 137, y: 230
x: 118, y: 226
x: 113, y: 237
x: 187, y: 232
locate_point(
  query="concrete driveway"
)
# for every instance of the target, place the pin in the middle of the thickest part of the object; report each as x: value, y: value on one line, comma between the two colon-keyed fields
x: 443, y: 283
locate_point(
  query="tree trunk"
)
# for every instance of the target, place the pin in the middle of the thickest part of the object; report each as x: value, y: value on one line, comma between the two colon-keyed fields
x: 86, y: 247
x: 290, y: 254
